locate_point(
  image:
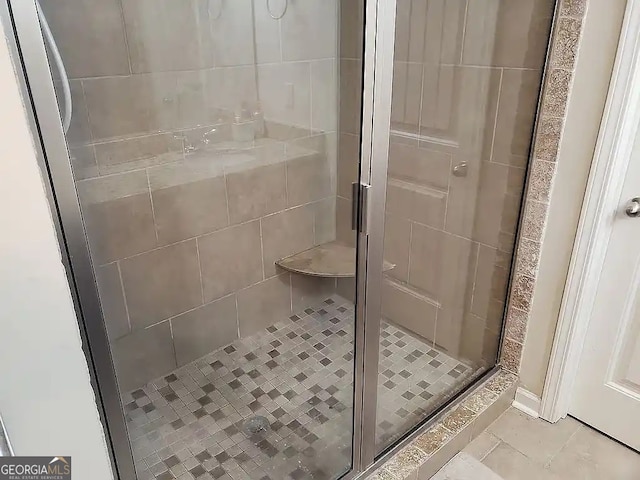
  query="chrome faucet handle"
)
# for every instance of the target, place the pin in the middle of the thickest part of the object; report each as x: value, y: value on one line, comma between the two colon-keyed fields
x: 187, y: 146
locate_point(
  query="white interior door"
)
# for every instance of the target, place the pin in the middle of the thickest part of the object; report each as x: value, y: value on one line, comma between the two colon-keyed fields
x: 607, y: 389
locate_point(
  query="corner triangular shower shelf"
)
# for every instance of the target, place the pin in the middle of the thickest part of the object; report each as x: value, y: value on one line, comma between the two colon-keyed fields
x: 333, y: 259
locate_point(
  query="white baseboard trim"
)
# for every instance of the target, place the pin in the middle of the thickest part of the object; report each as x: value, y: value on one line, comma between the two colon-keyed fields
x: 527, y: 402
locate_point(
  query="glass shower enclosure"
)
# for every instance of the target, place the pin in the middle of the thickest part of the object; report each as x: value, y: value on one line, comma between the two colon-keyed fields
x: 289, y: 224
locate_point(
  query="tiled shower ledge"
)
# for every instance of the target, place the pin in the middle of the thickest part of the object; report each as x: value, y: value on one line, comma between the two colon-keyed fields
x: 450, y: 433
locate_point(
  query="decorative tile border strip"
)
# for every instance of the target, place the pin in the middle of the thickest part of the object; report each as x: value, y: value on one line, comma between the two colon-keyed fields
x: 457, y: 427
x: 565, y: 43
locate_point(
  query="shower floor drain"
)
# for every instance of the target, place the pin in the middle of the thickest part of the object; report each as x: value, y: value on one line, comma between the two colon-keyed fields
x: 257, y: 425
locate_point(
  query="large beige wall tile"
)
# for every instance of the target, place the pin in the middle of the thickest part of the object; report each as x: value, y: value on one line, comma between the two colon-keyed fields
x: 348, y: 163
x: 450, y: 329
x: 286, y: 233
x: 166, y: 35
x: 419, y: 166
x: 191, y: 209
x: 346, y: 288
x: 414, y: 202
x: 90, y: 36
x: 406, y: 101
x: 516, y: 115
x: 229, y: 87
x: 79, y: 129
x: 83, y: 162
x: 192, y: 101
x: 397, y: 243
x: 120, y: 227
x: 507, y: 33
x: 162, y: 283
x: 398, y: 91
x: 350, y: 95
x: 256, y: 192
x: 474, y: 98
x: 490, y: 285
x: 205, y: 329
x: 439, y: 265
x: 409, y: 309
x: 471, y: 338
x: 344, y: 233
x: 441, y: 100
x: 268, y: 41
x: 463, y: 195
x: 230, y: 259
x: 324, y: 221
x: 308, y: 179
x: 232, y: 35
x: 135, y: 153
x: 309, y: 29
x: 112, y: 301
x: 324, y: 95
x: 308, y: 291
x: 403, y: 19
x: 417, y: 30
x: 351, y: 28
x: 143, y: 356
x: 498, y: 202
x: 285, y: 92
x: 453, y: 25
x: 120, y: 106
x: 429, y: 31
x: 264, y: 304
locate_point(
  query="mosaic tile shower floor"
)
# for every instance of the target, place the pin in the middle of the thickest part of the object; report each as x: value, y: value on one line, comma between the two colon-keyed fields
x: 298, y: 374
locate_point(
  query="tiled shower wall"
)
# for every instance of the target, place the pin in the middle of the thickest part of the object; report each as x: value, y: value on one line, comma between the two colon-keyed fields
x: 467, y: 76
x: 184, y: 224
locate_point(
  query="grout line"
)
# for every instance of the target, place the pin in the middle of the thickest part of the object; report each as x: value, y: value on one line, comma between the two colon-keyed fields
x: 304, y: 205
x: 125, y: 36
x: 167, y: 73
x: 153, y: 211
x: 290, y: 294
x: 226, y: 197
x: 200, y: 271
x: 237, y: 314
x: 173, y: 317
x: 409, y: 249
x: 475, y: 279
x: 464, y: 30
x: 563, y: 445
x: 124, y: 296
x: 495, y: 120
x: 492, y: 448
x: 264, y: 276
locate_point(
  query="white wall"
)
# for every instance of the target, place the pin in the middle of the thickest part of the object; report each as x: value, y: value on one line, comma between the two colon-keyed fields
x: 586, y: 104
x: 45, y: 395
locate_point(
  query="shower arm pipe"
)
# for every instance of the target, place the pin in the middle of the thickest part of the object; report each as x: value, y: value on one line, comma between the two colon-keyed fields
x: 66, y: 88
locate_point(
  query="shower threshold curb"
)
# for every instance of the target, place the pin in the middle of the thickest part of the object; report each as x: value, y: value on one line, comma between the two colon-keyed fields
x: 453, y: 430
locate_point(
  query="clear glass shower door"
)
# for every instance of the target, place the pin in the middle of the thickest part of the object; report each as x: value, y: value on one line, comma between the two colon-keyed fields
x: 466, y: 80
x: 213, y: 161
x: 203, y: 156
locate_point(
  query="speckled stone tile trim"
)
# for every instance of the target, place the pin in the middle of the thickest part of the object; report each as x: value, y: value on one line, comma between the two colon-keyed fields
x: 408, y: 460
x: 560, y: 70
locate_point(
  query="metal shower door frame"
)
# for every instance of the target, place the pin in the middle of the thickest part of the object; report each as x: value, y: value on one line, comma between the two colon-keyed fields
x: 22, y: 28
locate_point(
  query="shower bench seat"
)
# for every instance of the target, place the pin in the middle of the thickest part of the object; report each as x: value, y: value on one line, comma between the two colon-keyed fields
x: 333, y: 260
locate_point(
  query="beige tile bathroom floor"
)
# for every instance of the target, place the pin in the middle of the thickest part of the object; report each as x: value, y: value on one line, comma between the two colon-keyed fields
x: 519, y: 447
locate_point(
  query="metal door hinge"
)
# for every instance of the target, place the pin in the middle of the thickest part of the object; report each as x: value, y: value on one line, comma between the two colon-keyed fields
x: 360, y: 193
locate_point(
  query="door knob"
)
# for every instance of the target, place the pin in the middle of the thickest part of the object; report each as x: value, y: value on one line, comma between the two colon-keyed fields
x: 460, y: 170
x: 633, y: 207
